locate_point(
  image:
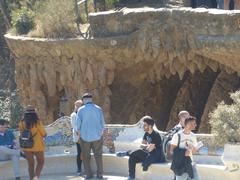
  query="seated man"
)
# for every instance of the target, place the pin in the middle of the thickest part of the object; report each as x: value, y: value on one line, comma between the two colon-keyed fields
x: 182, y: 115
x: 8, y: 148
x: 151, y: 149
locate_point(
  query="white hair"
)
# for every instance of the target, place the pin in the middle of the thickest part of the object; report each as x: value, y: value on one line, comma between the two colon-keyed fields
x: 182, y: 113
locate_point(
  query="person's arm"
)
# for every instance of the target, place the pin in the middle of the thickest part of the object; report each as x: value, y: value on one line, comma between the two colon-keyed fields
x: 78, y: 121
x: 74, y: 121
x: 12, y: 138
x: 42, y: 129
x: 14, y: 141
x: 156, y: 143
x: 20, y: 126
x: 102, y: 120
x: 174, y: 143
x: 144, y: 142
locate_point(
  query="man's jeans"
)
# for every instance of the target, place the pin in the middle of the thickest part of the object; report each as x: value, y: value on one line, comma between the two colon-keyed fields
x: 7, y: 154
x: 145, y: 158
x: 220, y: 4
x: 185, y: 176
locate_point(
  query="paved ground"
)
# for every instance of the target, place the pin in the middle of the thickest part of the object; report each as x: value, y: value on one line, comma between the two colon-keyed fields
x: 71, y: 177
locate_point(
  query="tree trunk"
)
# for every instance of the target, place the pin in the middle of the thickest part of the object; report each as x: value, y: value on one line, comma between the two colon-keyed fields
x: 5, y: 14
x: 77, y: 13
x: 86, y: 8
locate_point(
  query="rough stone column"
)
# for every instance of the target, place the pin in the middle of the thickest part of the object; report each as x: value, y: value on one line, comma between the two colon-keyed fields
x: 223, y: 85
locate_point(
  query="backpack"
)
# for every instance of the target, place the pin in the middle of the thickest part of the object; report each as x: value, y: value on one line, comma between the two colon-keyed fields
x: 26, y: 139
x: 167, y: 140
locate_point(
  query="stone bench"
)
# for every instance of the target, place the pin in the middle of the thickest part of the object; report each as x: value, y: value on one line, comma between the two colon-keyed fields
x: 118, y: 137
x: 61, y: 152
x: 113, y: 165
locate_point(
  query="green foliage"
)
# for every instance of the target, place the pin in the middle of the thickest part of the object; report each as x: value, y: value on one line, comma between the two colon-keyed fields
x: 225, y: 121
x: 55, y: 19
x: 23, y: 20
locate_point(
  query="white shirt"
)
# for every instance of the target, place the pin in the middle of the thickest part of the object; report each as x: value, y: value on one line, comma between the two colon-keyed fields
x: 74, y: 127
x: 186, y: 140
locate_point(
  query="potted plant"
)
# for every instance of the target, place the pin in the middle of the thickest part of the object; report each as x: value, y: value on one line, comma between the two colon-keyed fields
x: 225, y: 123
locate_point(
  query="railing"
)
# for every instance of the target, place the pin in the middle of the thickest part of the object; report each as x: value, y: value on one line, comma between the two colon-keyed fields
x: 85, y: 2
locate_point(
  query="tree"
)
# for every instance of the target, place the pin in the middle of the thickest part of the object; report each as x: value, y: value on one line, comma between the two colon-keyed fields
x: 5, y: 14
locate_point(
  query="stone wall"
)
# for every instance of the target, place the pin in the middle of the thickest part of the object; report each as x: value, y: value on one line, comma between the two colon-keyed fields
x: 9, y: 104
x: 139, y: 61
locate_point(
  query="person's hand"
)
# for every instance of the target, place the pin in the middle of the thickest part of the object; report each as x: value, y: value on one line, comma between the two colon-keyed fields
x: 78, y: 135
x: 143, y: 146
x: 16, y: 145
x: 151, y: 147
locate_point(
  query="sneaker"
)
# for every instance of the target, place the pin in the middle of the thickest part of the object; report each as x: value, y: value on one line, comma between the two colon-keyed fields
x: 18, y: 178
x: 88, y: 177
x: 130, y: 178
x: 79, y: 173
x: 35, y: 178
x: 22, y: 155
x: 99, y: 176
x: 121, y: 154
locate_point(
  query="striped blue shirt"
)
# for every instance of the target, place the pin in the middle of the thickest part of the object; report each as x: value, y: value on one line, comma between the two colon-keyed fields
x: 90, y: 122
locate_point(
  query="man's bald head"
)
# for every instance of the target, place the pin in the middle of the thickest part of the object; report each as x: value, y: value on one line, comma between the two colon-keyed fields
x: 182, y: 115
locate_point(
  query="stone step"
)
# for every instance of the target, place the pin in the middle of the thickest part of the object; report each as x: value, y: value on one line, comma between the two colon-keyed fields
x: 72, y: 177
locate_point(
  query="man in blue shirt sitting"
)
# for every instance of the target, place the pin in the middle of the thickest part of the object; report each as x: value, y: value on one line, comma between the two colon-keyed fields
x: 90, y: 126
x: 8, y: 149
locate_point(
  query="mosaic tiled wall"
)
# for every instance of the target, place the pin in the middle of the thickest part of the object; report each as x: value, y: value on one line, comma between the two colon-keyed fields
x: 60, y: 133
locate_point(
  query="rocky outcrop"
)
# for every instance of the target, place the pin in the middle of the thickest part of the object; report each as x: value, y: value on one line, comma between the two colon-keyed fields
x: 224, y: 84
x: 139, y: 61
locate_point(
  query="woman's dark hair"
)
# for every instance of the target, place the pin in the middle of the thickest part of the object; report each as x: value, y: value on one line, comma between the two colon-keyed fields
x: 189, y: 119
x: 30, y: 119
